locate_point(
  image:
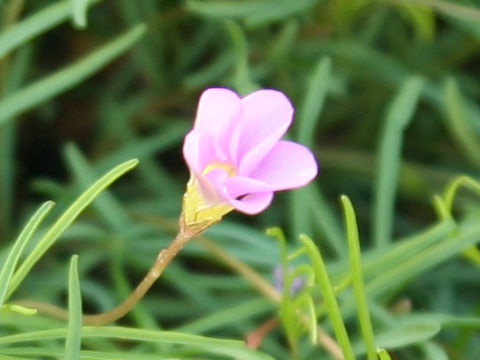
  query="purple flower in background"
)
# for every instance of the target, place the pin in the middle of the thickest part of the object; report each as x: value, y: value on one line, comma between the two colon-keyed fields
x: 236, y: 157
x: 279, y: 274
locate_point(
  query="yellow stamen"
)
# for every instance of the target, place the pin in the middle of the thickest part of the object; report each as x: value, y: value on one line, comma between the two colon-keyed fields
x: 230, y: 169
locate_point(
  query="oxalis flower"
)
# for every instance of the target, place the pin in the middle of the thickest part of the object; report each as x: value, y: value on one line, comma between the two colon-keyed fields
x: 236, y: 157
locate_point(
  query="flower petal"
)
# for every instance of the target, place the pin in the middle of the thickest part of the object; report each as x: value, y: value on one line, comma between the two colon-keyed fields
x: 198, y: 150
x: 253, y: 203
x: 240, y: 185
x: 218, y: 110
x: 266, y: 116
x: 289, y: 165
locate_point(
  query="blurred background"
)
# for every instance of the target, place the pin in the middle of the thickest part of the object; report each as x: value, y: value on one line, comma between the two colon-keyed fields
x: 390, y: 84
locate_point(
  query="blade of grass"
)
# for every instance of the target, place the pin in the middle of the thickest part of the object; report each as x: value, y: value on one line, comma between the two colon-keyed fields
x: 329, y: 297
x: 231, y: 315
x: 448, y: 8
x: 232, y: 348
x: 433, y: 351
x: 424, y: 260
x: 280, y: 10
x: 314, y: 99
x: 57, y: 353
x: 308, y: 118
x: 383, y: 354
x: 398, y: 116
x: 327, y: 221
x: 18, y: 247
x: 301, y: 199
x: 64, y: 79
x: 79, y: 13
x: 149, y: 51
x: 242, y: 79
x: 106, y: 203
x: 459, y: 122
x: 74, y: 330
x: 17, y: 70
x: 64, y: 221
x: 253, y: 12
x: 407, y: 247
x: 35, y: 24
x: 357, y: 278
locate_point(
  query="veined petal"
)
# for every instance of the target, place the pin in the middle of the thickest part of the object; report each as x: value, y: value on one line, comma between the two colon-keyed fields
x: 266, y: 116
x: 287, y: 166
x: 253, y: 203
x: 218, y: 110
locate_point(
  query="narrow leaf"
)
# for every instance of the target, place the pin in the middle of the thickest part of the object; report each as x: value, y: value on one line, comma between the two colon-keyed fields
x: 66, y: 78
x: 36, y: 24
x: 398, y: 116
x: 64, y: 221
x: 383, y: 354
x: 313, y: 104
x: 329, y: 297
x: 231, y: 348
x: 79, y: 12
x: 357, y: 278
x: 460, y: 123
x: 12, y: 259
x: 109, y: 208
x: 73, y: 341
x: 253, y: 12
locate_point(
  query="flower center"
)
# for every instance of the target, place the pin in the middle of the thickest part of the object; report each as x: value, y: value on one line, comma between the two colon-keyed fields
x: 230, y: 169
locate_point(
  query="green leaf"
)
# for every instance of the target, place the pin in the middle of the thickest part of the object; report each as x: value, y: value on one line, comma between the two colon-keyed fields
x: 314, y: 99
x: 383, y: 354
x: 402, y: 334
x: 67, y: 218
x: 253, y: 12
x: 424, y: 260
x: 434, y: 351
x: 66, y: 78
x: 406, y: 334
x: 35, y: 25
x: 79, y: 13
x: 109, y: 208
x: 422, y: 17
x: 56, y: 353
x: 460, y: 122
x: 242, y: 79
x: 357, y: 278
x: 74, y: 336
x: 304, y: 203
x: 329, y: 297
x: 398, y: 116
x: 14, y: 255
x: 232, y: 348
x: 404, y: 249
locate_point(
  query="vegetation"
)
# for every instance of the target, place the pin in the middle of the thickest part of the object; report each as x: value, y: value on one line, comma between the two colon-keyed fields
x: 384, y: 241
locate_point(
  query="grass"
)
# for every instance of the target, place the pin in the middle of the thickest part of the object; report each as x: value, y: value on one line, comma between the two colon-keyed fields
x: 384, y: 93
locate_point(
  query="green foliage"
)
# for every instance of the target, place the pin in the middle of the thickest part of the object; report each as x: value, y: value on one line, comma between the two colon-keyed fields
x: 74, y: 332
x: 385, y: 94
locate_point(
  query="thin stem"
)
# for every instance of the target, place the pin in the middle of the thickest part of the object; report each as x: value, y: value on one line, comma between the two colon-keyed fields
x: 255, y: 338
x: 252, y: 276
x: 164, y: 258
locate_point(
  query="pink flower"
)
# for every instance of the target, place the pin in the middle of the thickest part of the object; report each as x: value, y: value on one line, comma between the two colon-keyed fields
x: 235, y: 153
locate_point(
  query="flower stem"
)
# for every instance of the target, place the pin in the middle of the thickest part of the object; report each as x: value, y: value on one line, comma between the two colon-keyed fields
x: 164, y: 258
